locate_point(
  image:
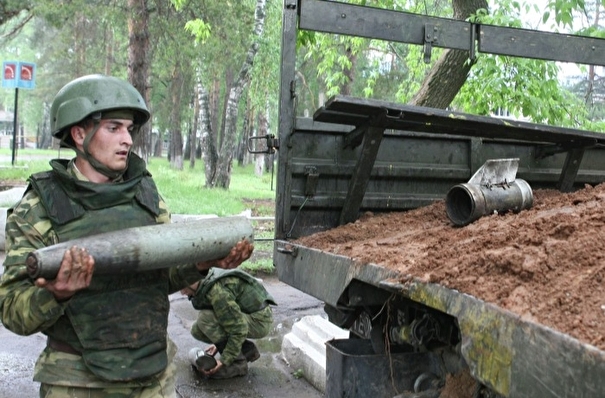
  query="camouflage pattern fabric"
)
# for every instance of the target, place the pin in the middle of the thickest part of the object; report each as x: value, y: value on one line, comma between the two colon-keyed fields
x: 26, y: 309
x: 162, y: 385
x: 226, y: 321
x: 208, y: 329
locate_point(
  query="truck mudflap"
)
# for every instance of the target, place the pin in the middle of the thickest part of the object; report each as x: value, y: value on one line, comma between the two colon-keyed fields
x: 513, y: 356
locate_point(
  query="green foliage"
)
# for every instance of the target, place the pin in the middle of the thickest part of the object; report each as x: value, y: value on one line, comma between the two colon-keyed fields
x: 199, y: 29
x: 264, y: 76
x: 178, y: 3
x: 527, y: 88
x: 389, y: 71
x: 524, y: 87
x: 564, y: 11
x: 208, y: 40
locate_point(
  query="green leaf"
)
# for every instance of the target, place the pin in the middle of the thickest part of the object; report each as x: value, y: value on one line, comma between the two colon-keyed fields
x: 199, y: 29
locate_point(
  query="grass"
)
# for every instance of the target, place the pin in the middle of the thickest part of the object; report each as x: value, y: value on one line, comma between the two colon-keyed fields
x: 184, y: 192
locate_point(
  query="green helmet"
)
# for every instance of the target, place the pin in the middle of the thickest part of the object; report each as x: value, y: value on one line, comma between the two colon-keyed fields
x: 90, y: 95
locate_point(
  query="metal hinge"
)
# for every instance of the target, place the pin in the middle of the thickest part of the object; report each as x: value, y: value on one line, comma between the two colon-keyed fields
x: 312, y: 179
x: 430, y: 37
x: 272, y: 143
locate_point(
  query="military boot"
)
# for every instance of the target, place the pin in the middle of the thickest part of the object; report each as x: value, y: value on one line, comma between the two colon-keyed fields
x: 250, y: 351
x: 239, y: 367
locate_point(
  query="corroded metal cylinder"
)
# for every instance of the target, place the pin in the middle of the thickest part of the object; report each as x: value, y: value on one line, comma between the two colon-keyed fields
x: 465, y: 203
x: 150, y: 247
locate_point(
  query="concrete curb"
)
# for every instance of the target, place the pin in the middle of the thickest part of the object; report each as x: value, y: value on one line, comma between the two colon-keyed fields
x: 304, y: 348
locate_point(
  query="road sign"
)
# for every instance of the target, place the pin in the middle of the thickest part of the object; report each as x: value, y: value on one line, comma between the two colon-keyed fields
x: 17, y: 74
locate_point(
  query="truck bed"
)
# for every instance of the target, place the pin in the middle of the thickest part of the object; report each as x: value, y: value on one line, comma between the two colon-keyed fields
x: 525, y: 288
x: 516, y: 339
x: 514, y: 356
x: 515, y: 300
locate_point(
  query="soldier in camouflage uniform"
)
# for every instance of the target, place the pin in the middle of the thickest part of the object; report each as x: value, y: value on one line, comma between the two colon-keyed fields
x: 233, y: 306
x: 106, y: 335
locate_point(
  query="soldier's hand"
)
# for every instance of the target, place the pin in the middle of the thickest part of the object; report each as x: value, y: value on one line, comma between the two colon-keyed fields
x: 215, y: 369
x: 74, y: 274
x: 212, y: 350
x: 238, y: 254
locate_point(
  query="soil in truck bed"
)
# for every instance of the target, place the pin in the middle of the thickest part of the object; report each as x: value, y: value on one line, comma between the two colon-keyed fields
x: 546, y: 264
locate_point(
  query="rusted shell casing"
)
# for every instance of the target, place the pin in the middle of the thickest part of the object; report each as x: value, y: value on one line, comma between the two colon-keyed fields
x: 147, y: 248
x: 465, y: 203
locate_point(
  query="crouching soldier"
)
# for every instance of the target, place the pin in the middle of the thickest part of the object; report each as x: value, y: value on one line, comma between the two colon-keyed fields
x: 233, y: 307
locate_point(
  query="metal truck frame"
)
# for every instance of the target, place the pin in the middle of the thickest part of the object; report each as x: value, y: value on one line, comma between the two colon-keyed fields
x: 356, y: 155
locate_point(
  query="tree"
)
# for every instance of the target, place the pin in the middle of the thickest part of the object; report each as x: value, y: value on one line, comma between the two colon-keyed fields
x: 232, y: 85
x: 339, y: 56
x: 10, y: 9
x: 148, y: 41
x: 139, y: 64
x: 176, y: 136
x: 223, y: 175
x: 207, y: 138
x: 450, y: 72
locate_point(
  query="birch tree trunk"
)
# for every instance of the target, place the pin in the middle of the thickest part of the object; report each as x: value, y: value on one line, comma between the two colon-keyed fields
x: 176, y: 135
x: 263, y: 130
x: 194, y: 131
x: 450, y: 72
x: 248, y: 131
x: 45, y: 135
x: 138, y: 66
x: 229, y: 140
x: 207, y: 138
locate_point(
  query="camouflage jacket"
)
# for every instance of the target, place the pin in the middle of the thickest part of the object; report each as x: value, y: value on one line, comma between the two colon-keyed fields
x: 26, y: 309
x: 230, y: 294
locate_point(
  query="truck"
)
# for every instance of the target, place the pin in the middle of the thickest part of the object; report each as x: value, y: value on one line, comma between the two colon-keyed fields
x: 359, y: 155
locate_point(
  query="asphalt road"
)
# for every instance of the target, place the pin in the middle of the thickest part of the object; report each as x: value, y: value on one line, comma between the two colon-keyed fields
x: 269, y: 377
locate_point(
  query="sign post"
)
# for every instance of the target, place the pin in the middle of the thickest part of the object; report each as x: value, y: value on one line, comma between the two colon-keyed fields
x: 17, y: 74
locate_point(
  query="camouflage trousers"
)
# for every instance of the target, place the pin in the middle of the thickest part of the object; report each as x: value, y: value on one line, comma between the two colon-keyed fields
x: 207, y: 329
x: 163, y: 387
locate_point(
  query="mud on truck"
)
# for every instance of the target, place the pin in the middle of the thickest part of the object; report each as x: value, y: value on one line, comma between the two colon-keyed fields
x: 414, y: 334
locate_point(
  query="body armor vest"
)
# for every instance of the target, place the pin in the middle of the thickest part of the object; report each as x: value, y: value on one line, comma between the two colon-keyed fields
x: 252, y: 299
x: 119, y: 323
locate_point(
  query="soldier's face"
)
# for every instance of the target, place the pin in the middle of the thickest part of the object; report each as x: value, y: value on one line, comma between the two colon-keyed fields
x: 112, y: 142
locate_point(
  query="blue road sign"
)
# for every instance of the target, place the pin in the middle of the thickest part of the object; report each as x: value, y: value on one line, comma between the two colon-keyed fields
x: 17, y: 74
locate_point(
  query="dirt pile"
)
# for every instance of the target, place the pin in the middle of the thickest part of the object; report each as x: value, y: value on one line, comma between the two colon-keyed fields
x: 546, y: 264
